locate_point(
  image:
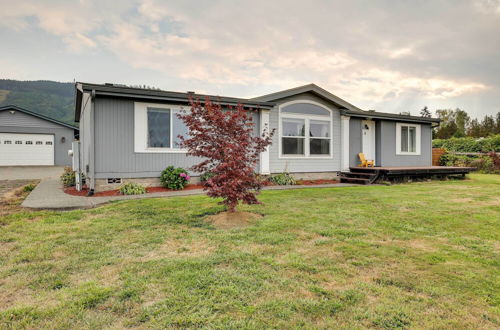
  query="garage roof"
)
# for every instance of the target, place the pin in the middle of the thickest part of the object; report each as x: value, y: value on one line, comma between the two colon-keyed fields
x: 16, y: 108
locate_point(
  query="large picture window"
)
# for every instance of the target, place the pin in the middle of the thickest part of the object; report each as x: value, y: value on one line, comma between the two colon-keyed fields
x: 157, y: 127
x: 305, y: 130
x: 407, y: 139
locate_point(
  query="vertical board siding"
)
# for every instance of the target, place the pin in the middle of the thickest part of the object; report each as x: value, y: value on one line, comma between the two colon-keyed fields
x: 278, y: 164
x: 114, y: 147
x: 355, y: 143
x: 388, y: 147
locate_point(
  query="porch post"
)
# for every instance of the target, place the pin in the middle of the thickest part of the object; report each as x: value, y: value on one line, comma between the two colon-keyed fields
x: 264, y: 156
x: 344, y: 128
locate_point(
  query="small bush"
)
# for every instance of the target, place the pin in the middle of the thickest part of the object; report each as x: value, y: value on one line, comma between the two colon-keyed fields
x: 206, y: 176
x: 68, y: 177
x: 132, y: 188
x: 29, y: 187
x: 282, y: 179
x: 174, y: 178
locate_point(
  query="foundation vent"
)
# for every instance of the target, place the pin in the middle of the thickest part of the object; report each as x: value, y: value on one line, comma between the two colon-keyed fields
x: 114, y: 180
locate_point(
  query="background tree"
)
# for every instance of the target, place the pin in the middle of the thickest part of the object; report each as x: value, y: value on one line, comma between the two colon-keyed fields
x: 425, y: 112
x: 462, y: 120
x: 230, y: 152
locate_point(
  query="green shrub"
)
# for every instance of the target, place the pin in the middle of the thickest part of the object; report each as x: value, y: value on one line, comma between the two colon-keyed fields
x: 483, y: 164
x: 469, y: 144
x: 206, y: 176
x: 29, y: 187
x: 174, y: 178
x: 68, y: 177
x: 282, y: 179
x: 132, y: 188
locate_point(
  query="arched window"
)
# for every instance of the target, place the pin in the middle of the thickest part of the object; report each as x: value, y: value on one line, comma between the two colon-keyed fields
x: 305, y: 130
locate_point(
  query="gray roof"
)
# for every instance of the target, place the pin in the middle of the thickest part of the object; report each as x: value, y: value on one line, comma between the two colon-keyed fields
x: 16, y: 108
x: 388, y: 116
x: 312, y: 88
x: 346, y: 108
x: 158, y: 95
x: 262, y: 102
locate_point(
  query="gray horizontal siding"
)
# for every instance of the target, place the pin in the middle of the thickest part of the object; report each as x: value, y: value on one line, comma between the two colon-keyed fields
x: 305, y: 165
x: 60, y: 149
x: 20, y: 122
x: 387, y: 153
x: 114, y: 144
x: 19, y: 118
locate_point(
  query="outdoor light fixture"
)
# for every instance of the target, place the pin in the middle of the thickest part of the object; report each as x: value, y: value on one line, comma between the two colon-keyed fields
x: 63, y: 139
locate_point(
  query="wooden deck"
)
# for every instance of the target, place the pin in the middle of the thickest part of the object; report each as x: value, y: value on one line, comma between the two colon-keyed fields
x: 367, y: 175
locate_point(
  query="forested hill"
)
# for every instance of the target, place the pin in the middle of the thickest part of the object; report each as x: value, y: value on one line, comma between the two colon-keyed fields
x: 49, y: 98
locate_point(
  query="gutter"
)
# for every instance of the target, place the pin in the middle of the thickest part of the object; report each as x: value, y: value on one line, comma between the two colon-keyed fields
x: 389, y: 116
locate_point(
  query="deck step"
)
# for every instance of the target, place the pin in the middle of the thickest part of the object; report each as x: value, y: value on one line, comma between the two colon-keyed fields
x: 358, y: 175
x: 354, y: 180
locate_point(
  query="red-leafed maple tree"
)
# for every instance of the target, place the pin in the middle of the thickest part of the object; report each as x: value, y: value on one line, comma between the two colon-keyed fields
x: 230, y: 152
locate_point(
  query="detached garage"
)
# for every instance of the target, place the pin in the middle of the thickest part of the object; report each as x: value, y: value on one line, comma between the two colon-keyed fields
x: 27, y: 138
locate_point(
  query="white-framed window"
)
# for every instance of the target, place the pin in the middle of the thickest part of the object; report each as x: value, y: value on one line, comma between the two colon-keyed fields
x: 408, y: 139
x: 156, y: 128
x: 305, y: 129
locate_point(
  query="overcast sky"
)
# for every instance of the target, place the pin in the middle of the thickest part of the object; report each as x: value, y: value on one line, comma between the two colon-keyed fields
x: 389, y: 56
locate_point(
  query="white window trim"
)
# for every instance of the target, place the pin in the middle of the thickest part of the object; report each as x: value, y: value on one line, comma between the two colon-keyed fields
x: 307, y: 118
x: 141, y: 127
x: 418, y: 139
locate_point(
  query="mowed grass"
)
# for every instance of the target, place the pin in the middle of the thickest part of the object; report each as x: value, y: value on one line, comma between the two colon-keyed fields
x: 421, y: 255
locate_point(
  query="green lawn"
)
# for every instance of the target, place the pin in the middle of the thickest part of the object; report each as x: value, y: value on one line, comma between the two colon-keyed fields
x: 422, y: 255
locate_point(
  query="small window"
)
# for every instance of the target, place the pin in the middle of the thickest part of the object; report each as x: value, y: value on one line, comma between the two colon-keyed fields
x: 7, y: 142
x: 39, y: 142
x: 19, y: 142
x: 408, y: 139
x: 49, y: 143
x: 29, y: 142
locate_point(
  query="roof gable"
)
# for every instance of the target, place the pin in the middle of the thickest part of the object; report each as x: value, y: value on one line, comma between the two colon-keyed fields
x: 311, y: 88
x: 345, y: 107
x: 31, y: 113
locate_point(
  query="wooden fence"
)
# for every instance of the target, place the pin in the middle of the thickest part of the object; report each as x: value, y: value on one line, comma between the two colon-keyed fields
x: 436, y: 155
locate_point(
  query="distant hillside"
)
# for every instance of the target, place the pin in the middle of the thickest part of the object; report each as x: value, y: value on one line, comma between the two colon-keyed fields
x: 49, y: 98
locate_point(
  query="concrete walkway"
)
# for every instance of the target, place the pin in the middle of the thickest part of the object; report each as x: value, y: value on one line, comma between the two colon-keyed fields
x: 49, y: 195
x: 29, y: 172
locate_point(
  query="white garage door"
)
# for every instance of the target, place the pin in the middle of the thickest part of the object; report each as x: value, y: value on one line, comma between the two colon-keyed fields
x: 26, y: 149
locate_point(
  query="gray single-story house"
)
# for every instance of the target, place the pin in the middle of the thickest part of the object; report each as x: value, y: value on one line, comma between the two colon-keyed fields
x: 130, y: 134
x: 28, y: 138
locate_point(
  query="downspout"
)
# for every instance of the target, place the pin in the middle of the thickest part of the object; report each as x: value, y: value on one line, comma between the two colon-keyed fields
x: 92, y: 145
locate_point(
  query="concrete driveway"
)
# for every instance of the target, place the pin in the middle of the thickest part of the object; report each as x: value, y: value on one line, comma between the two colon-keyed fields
x: 29, y: 172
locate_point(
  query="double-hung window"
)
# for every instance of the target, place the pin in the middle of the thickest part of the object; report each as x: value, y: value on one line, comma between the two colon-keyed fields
x: 407, y: 139
x: 157, y: 128
x: 306, y: 130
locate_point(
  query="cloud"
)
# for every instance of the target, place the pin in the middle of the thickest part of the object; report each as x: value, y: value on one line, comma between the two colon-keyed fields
x: 366, y: 52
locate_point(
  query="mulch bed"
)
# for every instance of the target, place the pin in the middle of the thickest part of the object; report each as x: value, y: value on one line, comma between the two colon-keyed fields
x: 116, y: 192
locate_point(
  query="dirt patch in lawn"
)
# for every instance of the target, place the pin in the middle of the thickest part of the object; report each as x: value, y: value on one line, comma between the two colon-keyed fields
x: 230, y: 220
x: 12, y: 195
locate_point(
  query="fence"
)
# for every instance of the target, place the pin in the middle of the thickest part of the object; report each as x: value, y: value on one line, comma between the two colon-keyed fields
x: 436, y: 155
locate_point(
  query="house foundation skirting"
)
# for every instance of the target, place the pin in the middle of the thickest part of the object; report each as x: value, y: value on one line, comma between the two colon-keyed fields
x: 103, y: 184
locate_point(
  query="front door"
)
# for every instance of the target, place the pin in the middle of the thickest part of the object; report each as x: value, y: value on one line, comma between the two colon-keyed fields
x: 368, y: 137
